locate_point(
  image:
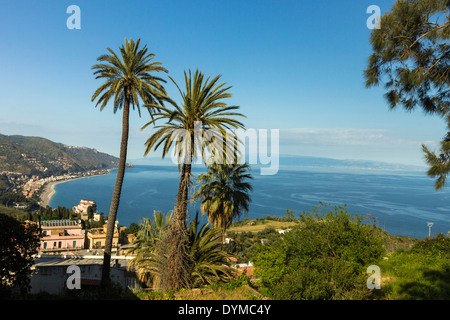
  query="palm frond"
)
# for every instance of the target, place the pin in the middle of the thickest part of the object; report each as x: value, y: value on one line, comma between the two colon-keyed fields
x: 202, y: 102
x: 129, y: 75
x: 224, y: 192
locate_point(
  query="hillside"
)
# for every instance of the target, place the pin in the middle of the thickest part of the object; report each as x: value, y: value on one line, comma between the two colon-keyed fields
x: 40, y: 156
x: 12, y: 212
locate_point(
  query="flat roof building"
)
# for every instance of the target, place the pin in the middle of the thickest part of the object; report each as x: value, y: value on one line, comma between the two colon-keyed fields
x: 62, y: 235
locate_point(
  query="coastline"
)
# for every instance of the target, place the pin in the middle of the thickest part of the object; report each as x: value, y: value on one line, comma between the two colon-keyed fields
x: 48, y: 192
x: 49, y: 189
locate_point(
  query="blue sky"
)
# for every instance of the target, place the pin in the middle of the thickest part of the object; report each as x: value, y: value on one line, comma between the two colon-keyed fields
x: 293, y: 65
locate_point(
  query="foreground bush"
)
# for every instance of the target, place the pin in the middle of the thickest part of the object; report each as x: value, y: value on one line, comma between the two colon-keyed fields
x: 325, y: 257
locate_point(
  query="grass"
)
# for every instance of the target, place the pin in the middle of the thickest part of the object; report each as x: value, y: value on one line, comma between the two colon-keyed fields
x: 237, y: 289
x: 12, y: 212
x: 419, y: 273
x: 257, y: 226
x: 241, y: 293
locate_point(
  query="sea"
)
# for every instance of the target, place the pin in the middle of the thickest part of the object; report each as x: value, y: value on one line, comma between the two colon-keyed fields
x: 402, y: 202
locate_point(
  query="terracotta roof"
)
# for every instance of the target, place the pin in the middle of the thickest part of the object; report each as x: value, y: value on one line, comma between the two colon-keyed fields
x: 248, y: 271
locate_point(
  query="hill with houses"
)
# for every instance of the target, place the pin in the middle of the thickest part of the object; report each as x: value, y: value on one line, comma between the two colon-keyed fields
x: 42, y: 157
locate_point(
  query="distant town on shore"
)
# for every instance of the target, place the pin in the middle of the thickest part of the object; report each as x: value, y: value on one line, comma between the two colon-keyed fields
x: 31, y: 166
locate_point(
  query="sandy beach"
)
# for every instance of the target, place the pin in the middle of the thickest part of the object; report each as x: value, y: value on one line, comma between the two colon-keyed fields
x: 48, y: 192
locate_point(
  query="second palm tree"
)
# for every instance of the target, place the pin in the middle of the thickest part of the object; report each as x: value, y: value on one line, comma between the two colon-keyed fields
x: 202, y: 112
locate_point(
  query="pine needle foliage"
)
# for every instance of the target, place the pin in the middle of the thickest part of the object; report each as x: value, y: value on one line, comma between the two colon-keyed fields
x: 411, y: 58
x: 411, y: 55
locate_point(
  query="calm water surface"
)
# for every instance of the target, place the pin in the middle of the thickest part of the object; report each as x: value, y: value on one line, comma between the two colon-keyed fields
x: 401, y: 203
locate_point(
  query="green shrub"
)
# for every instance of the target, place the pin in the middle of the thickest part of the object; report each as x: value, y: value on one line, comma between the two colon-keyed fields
x: 439, y: 245
x: 326, y: 257
x: 326, y: 279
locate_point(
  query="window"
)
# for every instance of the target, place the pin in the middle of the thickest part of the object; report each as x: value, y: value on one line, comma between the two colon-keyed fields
x: 45, y: 245
x: 74, y: 244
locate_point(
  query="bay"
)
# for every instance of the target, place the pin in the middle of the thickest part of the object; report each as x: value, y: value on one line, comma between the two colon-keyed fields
x: 402, y: 204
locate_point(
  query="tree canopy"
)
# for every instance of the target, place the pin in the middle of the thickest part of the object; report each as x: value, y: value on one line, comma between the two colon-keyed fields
x: 129, y: 79
x: 224, y: 192
x: 325, y: 257
x: 411, y: 55
x: 18, y: 243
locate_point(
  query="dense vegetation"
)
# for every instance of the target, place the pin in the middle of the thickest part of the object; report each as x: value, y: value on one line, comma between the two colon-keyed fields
x: 17, y: 214
x: 208, y: 263
x: 420, y: 273
x: 18, y: 243
x: 325, y: 255
x: 324, y: 258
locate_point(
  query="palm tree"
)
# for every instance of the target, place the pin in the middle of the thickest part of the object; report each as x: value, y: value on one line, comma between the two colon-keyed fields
x: 224, y: 193
x: 209, y: 262
x: 147, y: 264
x: 198, y: 125
x: 128, y: 80
x: 150, y: 232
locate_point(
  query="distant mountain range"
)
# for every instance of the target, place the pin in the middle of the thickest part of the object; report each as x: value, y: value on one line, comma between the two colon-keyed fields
x: 287, y: 161
x: 40, y: 156
x: 295, y: 162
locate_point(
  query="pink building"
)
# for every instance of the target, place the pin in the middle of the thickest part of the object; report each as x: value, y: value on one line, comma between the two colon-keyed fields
x: 61, y: 235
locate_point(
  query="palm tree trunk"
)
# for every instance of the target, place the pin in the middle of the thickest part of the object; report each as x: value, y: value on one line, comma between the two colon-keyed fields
x: 183, y: 193
x: 176, y: 275
x: 116, y: 196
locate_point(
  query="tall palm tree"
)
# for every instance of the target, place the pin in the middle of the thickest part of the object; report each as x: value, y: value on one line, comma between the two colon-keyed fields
x: 224, y: 193
x: 128, y: 79
x: 197, y: 126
